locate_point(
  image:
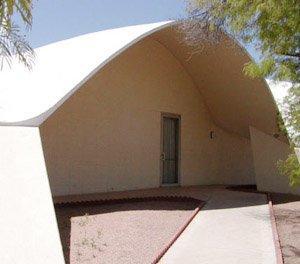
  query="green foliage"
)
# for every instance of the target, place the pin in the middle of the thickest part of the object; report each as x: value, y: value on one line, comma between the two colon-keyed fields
x: 274, y: 27
x: 291, y: 115
x: 291, y: 167
x: 12, y: 43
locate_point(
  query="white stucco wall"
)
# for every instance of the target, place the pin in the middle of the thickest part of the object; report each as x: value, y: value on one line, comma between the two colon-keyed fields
x: 29, y: 233
x: 106, y: 137
x: 234, y: 161
x: 267, y: 151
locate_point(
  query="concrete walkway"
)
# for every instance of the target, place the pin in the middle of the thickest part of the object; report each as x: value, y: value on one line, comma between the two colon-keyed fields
x: 233, y: 227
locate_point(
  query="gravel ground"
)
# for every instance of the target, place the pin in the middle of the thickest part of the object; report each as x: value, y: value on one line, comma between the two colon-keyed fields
x: 136, y: 232
x: 133, y: 232
x: 287, y: 213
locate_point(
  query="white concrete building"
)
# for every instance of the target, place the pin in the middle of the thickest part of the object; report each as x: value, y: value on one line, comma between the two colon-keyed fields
x: 127, y: 109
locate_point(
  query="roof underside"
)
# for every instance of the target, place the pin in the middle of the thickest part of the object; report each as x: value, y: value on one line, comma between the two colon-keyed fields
x: 235, y: 101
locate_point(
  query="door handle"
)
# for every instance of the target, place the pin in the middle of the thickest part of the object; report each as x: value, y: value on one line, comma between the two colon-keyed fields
x: 163, y: 156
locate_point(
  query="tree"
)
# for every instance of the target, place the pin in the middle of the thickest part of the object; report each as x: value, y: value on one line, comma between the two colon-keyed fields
x: 291, y: 115
x: 12, y: 42
x: 274, y: 27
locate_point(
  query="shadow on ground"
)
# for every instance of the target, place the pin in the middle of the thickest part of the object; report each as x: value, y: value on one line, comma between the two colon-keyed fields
x: 76, y: 218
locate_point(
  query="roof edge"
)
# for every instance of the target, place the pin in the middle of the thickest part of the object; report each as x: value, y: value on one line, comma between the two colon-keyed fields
x: 36, y: 121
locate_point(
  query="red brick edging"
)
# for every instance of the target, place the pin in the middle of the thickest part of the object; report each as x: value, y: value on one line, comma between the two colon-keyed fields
x: 279, y: 256
x: 179, y: 232
x: 275, y: 232
x: 137, y: 199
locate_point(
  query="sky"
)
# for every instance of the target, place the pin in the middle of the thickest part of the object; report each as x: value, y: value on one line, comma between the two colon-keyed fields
x: 55, y: 20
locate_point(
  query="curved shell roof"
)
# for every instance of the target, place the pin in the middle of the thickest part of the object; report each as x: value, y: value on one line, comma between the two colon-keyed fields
x: 235, y: 102
x: 29, y: 97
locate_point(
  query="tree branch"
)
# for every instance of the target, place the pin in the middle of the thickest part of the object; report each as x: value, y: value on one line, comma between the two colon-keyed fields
x: 297, y: 55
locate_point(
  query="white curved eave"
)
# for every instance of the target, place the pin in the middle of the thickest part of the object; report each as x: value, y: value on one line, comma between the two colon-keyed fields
x: 27, y: 98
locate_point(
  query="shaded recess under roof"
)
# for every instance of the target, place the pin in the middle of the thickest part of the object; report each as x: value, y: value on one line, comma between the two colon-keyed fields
x: 235, y: 101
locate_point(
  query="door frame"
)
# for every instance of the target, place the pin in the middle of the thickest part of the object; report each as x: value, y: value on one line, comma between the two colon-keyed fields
x: 178, y: 117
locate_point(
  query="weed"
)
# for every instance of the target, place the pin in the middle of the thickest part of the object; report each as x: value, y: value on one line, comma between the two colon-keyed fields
x: 84, y: 221
x: 85, y: 242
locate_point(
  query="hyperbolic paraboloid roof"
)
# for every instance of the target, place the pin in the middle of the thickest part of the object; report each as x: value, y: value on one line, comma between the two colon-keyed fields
x: 60, y: 69
x: 236, y: 102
